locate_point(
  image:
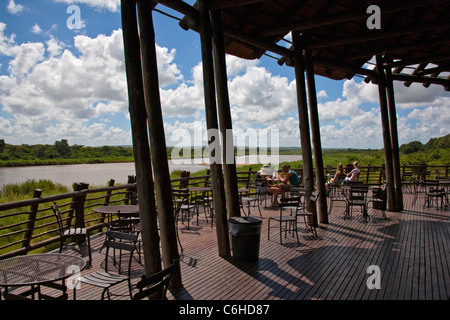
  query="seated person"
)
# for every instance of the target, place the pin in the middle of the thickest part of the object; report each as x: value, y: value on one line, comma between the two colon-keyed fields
x: 354, y: 174
x: 334, y: 181
x: 288, y: 178
x: 261, y: 177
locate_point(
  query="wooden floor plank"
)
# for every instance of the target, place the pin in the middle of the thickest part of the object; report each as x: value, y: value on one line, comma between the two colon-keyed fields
x: 410, y: 247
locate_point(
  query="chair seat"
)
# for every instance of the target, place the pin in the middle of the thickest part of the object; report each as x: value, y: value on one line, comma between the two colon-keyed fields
x: 283, y: 218
x: 249, y: 198
x: 75, y: 231
x: 357, y: 202
x: 103, y: 279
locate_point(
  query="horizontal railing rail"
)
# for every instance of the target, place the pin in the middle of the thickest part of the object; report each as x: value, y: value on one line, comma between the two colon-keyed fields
x: 29, y: 225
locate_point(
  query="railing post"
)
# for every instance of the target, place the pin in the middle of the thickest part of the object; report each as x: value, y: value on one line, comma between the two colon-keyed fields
x: 368, y: 173
x: 130, y: 191
x: 78, y: 207
x: 31, y: 219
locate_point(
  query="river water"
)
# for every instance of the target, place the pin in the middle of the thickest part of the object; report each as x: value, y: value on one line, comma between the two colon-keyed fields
x: 100, y: 174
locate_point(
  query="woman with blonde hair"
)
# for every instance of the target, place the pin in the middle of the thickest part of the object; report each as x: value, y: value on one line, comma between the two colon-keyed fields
x: 335, y: 180
x: 354, y: 174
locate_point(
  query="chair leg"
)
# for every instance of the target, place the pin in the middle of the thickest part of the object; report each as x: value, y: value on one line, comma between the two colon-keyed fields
x: 89, y: 248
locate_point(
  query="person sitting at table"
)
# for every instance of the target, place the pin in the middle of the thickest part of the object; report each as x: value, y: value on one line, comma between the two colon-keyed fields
x: 261, y: 177
x: 288, y: 178
x: 334, y: 181
x: 354, y: 174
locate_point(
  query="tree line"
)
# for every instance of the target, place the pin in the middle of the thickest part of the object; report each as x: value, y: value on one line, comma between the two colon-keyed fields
x: 60, y: 150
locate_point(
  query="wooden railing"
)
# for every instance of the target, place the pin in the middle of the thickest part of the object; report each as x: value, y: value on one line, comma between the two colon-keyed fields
x: 29, y: 225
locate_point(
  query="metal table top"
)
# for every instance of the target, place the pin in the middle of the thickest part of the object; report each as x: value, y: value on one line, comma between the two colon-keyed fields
x: 37, y: 269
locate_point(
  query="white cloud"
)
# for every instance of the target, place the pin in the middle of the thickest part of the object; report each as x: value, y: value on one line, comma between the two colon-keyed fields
x: 111, y: 5
x: 14, y: 8
x: 36, y: 29
x: 51, y: 93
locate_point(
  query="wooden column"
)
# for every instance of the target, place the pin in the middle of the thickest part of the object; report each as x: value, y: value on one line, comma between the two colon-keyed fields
x: 217, y: 180
x: 315, y: 132
x: 394, y: 141
x: 226, y: 127
x: 305, y: 138
x: 386, y: 134
x: 141, y: 148
x: 158, y: 148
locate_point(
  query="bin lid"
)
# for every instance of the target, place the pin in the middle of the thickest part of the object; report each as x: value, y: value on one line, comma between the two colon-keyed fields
x: 245, y: 220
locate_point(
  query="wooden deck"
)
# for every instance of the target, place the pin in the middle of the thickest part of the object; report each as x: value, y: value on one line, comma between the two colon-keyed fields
x: 411, y: 248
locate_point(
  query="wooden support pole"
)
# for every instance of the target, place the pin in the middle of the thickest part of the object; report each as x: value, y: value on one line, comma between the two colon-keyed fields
x: 141, y: 148
x: 158, y: 148
x: 394, y: 141
x: 315, y: 133
x: 303, y: 118
x: 225, y: 121
x: 212, y: 125
x: 386, y: 135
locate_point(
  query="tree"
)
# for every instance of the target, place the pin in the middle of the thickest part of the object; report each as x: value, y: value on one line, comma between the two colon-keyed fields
x: 2, y: 145
x: 411, y: 147
x: 63, y: 148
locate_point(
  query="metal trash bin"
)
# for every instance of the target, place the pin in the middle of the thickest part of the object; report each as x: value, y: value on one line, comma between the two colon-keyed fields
x: 379, y: 193
x: 245, y: 236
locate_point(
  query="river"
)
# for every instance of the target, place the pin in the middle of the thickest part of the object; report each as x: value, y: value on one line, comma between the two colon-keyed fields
x: 100, y: 174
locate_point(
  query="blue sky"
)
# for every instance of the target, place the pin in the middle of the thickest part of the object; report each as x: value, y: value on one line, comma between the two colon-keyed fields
x: 58, y: 83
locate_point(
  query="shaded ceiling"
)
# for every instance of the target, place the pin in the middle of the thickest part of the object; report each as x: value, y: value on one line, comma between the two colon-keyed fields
x: 413, y: 34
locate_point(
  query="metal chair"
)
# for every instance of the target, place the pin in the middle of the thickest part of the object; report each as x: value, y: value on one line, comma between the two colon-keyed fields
x: 434, y: 192
x: 289, y: 221
x: 65, y: 233
x: 357, y: 198
x: 105, y: 279
x: 309, y: 212
x: 156, y: 284
x: 251, y: 198
x: 182, y: 206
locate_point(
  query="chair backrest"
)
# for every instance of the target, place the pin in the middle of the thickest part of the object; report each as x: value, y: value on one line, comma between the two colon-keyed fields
x: 312, y: 201
x: 358, y: 192
x: 155, y: 283
x: 57, y: 214
x: 121, y: 241
x: 340, y: 179
x: 289, y: 202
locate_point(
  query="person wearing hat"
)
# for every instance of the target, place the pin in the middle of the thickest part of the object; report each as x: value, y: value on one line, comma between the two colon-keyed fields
x: 261, y: 176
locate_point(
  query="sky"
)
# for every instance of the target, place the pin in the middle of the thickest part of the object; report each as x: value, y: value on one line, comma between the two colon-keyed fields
x: 62, y: 76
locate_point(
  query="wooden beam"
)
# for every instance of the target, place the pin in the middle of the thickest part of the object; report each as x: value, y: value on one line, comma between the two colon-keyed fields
x: 212, y: 124
x: 222, y: 4
x: 181, y: 7
x: 339, y: 17
x: 158, y: 148
x: 386, y: 135
x: 141, y: 148
x: 226, y: 130
x: 303, y: 118
x: 394, y: 141
x: 225, y: 121
x: 372, y: 35
x: 315, y: 133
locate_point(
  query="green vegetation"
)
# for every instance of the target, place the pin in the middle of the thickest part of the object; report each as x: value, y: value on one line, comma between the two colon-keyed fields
x: 435, y: 152
x: 60, y: 153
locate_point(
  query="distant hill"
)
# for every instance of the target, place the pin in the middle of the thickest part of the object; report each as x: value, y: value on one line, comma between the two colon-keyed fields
x: 433, y: 143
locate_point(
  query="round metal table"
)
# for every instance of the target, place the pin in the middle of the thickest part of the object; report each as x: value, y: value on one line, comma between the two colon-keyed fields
x: 39, y: 269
